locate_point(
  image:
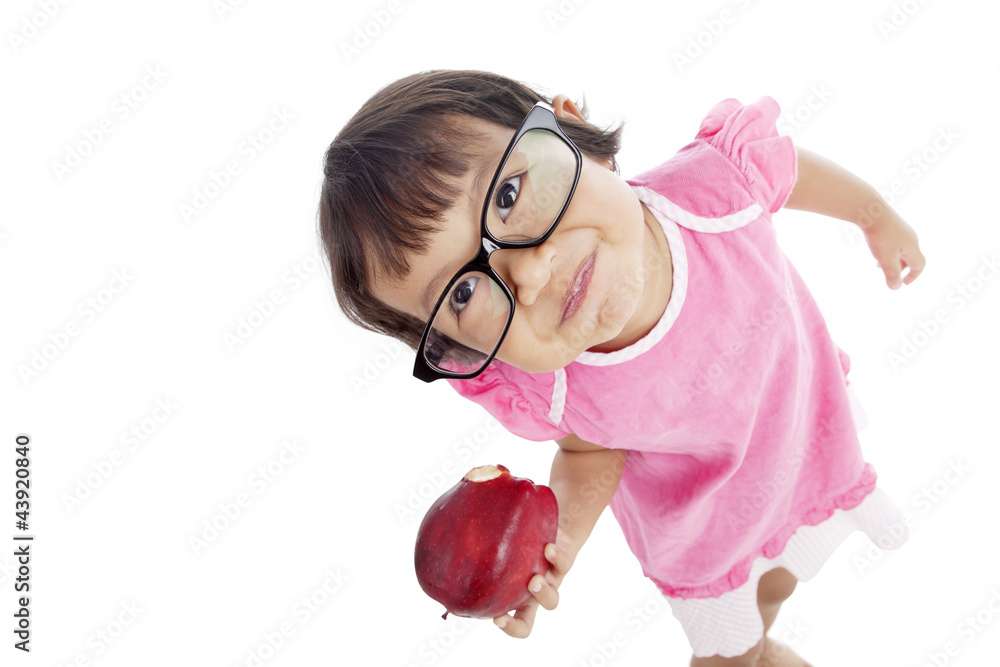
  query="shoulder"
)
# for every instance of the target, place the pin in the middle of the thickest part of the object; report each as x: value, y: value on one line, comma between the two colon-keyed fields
x: 736, y: 160
x: 503, y: 382
x: 730, y: 122
x: 520, y: 401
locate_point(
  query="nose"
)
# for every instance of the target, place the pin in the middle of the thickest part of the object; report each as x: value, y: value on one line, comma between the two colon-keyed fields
x: 525, y: 270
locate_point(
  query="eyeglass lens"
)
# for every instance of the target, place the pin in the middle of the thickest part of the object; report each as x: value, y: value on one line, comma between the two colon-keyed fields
x: 532, y: 189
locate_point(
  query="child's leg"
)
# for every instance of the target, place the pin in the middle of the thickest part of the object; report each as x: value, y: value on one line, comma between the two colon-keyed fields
x: 774, y: 588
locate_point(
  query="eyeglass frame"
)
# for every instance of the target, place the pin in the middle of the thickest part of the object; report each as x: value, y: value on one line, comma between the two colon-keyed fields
x: 536, y: 119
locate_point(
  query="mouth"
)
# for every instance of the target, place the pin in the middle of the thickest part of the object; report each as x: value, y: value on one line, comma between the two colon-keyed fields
x: 577, y: 291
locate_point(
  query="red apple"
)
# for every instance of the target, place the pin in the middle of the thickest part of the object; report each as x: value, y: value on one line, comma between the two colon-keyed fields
x: 483, y: 540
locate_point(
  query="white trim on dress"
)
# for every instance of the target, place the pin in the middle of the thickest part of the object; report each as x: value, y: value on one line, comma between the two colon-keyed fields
x: 558, y: 396
x: 726, y: 223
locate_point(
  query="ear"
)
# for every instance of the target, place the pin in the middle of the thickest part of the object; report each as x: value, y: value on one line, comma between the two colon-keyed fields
x: 564, y: 108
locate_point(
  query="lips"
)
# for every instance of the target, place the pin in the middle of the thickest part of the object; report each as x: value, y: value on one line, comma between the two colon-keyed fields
x: 577, y: 291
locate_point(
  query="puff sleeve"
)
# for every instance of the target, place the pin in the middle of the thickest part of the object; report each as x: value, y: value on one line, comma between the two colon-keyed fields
x: 520, y: 404
x: 747, y: 136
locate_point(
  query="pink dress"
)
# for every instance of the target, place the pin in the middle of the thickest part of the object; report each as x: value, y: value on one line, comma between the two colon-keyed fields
x: 736, y: 410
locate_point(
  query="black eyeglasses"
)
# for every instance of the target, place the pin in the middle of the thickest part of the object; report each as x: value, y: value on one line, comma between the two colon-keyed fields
x: 527, y: 198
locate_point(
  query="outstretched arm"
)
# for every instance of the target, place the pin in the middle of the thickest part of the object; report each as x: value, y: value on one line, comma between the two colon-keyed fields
x: 828, y: 189
x: 584, y: 478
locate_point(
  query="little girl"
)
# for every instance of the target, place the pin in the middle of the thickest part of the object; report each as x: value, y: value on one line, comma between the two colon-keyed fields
x: 652, y: 327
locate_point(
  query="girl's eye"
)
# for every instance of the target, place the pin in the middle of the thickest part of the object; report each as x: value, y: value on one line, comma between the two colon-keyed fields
x: 462, y: 294
x: 506, y: 196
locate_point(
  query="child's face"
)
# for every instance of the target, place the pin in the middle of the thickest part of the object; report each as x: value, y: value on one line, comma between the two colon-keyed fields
x: 604, y: 219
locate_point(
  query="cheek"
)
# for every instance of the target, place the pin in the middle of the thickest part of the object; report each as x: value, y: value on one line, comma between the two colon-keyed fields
x: 525, y: 350
x: 497, y: 307
x: 517, y: 342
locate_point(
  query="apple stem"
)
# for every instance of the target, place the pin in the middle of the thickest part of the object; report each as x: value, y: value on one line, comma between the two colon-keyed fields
x: 444, y: 616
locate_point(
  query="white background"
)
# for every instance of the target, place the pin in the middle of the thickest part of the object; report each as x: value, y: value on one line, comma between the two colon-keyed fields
x: 332, y: 513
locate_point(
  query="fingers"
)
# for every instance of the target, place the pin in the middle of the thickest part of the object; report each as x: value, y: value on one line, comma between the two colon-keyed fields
x: 524, y: 618
x: 519, y: 626
x: 544, y: 592
x: 559, y: 560
x: 894, y: 245
x: 543, y: 588
x: 892, y: 266
x: 916, y: 262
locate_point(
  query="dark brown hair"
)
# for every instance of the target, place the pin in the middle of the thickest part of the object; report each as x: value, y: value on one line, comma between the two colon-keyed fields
x: 391, y: 173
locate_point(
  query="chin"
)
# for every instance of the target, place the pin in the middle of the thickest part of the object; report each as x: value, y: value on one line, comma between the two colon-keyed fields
x: 613, y: 323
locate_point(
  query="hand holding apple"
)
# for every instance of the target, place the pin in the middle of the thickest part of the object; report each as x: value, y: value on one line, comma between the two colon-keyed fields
x: 483, y: 540
x: 560, y: 556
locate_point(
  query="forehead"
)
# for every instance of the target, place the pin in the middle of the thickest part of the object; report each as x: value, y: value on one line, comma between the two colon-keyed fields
x: 485, y: 143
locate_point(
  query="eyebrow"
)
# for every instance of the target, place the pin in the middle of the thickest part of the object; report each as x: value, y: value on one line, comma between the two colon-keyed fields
x: 484, y: 168
x: 430, y: 292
